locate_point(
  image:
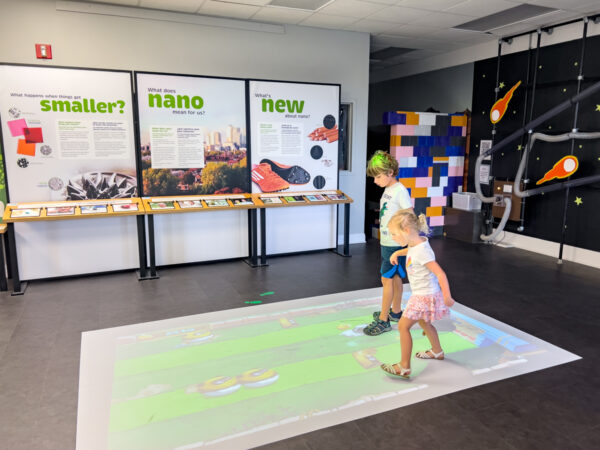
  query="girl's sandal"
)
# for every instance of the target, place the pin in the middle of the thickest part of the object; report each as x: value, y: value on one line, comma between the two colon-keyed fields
x: 430, y: 354
x: 391, y: 371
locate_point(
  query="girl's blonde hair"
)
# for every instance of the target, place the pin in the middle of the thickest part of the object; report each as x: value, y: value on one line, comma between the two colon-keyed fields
x: 382, y: 163
x: 406, y: 219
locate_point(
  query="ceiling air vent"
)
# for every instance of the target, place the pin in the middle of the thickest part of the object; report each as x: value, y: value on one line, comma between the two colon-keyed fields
x: 506, y: 17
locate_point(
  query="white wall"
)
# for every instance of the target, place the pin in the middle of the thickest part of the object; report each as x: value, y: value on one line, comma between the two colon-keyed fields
x: 110, y: 37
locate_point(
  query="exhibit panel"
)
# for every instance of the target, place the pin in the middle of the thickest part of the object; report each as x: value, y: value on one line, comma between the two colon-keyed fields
x: 68, y: 134
x: 294, y: 130
x: 294, y: 141
x: 193, y: 142
x: 192, y: 134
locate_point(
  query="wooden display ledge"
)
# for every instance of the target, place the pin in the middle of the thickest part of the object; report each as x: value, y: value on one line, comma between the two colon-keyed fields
x: 257, y: 204
x: 42, y: 207
x: 76, y: 204
x: 144, y: 207
x: 345, y: 200
x: 256, y: 199
x: 204, y: 199
x: 304, y: 194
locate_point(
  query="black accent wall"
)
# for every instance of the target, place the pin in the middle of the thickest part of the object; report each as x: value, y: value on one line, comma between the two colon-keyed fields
x: 555, y: 76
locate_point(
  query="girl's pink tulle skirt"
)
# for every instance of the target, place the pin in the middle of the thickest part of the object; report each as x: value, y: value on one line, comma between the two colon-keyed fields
x: 426, y: 307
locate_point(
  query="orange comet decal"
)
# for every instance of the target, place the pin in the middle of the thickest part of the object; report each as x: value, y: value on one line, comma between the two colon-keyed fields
x: 564, y: 168
x: 499, y: 108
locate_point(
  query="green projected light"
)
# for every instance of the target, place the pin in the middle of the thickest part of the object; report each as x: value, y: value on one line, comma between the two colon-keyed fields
x: 249, y: 376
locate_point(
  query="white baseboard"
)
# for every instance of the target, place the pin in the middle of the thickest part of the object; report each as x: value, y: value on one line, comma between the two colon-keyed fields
x: 549, y: 248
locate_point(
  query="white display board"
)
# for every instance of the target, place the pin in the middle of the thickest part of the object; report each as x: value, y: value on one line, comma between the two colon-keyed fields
x: 294, y: 131
x: 192, y: 134
x: 294, y: 126
x: 68, y: 135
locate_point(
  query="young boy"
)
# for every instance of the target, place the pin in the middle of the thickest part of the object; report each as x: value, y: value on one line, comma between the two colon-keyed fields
x: 384, y: 169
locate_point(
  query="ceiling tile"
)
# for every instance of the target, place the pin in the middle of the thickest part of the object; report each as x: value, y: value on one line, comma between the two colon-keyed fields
x: 405, y: 42
x: 232, y: 10
x: 420, y: 54
x: 393, y: 62
x: 425, y: 24
x: 390, y: 53
x: 441, y: 20
x: 573, y: 5
x: 371, y: 26
x: 431, y: 5
x: 189, y: 6
x: 553, y: 18
x: 281, y: 15
x: 412, y: 31
x: 328, y: 21
x: 396, y: 14
x: 383, y: 2
x: 447, y: 45
x: 250, y: 2
x: 510, y: 30
x: 376, y: 65
x: 588, y: 9
x: 351, y: 8
x: 478, y: 8
x: 374, y: 46
x: 458, y: 35
x: 120, y: 2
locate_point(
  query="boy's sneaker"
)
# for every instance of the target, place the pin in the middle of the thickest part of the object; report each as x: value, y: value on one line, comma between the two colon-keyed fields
x: 392, y: 316
x: 377, y: 327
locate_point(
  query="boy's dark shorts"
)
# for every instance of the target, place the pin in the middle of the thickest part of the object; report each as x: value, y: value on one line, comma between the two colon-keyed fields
x: 388, y: 270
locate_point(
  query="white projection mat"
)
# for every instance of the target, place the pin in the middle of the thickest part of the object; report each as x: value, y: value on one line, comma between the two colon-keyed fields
x: 249, y: 376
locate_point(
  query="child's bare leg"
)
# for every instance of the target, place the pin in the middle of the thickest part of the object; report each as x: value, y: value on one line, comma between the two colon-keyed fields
x: 404, y: 326
x: 432, y: 335
x: 397, y: 297
x: 387, y: 297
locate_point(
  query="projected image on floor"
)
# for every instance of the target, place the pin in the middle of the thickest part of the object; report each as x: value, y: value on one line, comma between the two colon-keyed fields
x: 296, y: 368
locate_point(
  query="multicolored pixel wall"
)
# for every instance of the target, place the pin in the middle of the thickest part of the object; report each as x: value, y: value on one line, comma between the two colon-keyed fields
x: 430, y: 149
